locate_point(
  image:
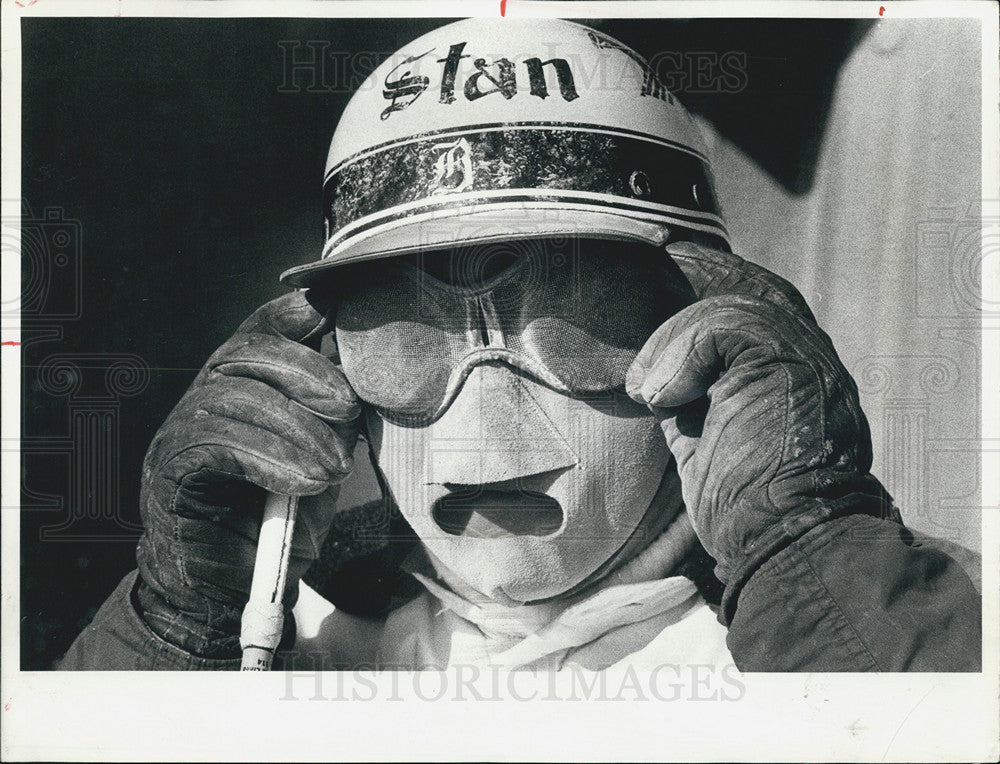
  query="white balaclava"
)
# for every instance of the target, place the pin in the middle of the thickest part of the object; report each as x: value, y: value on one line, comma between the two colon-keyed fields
x: 519, y: 442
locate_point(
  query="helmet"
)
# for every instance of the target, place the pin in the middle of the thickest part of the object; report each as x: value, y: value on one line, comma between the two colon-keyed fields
x: 493, y: 129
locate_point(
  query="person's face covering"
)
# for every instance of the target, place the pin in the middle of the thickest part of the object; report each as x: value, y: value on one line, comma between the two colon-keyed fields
x: 496, y: 405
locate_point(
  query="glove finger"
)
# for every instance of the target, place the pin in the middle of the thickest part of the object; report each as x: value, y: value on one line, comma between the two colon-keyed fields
x: 713, y: 273
x: 261, y: 406
x: 778, y: 395
x: 219, y: 556
x: 674, y: 367
x: 299, y: 373
x: 245, y: 430
x: 302, y: 317
x: 688, y: 354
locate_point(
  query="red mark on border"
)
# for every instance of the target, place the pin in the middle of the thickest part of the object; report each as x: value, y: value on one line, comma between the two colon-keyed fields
x: 881, y: 10
x: 6, y: 706
x: 503, y: 7
x: 22, y: 5
x: 11, y: 343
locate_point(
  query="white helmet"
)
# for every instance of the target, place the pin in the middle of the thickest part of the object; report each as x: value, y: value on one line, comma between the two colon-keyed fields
x: 493, y: 129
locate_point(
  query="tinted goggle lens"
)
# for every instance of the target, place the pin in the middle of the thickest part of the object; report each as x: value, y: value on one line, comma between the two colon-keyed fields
x: 574, y: 320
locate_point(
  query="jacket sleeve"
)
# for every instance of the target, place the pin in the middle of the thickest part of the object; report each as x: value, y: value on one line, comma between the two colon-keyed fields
x: 119, y: 640
x: 856, y: 594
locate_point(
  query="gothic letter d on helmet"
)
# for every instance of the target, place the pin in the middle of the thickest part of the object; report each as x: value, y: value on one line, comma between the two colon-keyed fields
x: 499, y: 129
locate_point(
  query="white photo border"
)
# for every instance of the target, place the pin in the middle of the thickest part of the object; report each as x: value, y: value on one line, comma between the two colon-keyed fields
x: 119, y: 716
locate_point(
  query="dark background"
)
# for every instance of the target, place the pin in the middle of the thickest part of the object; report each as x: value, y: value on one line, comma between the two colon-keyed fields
x: 192, y: 168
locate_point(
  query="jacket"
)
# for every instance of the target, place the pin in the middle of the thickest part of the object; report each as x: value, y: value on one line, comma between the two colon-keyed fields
x: 854, y: 594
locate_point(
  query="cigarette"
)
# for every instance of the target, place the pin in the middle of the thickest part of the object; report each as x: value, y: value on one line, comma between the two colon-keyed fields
x: 263, y: 617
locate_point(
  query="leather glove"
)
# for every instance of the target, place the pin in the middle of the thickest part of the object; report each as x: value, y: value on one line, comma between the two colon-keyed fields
x: 267, y: 412
x: 762, y: 417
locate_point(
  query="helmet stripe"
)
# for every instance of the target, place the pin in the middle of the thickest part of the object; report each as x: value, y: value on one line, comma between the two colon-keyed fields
x: 537, y: 163
x: 494, y: 126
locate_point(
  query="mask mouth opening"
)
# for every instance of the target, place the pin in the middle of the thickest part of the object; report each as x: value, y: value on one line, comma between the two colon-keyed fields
x: 480, y: 512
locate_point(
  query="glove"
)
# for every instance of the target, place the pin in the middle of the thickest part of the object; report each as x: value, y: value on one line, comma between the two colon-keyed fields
x: 267, y: 412
x: 762, y: 417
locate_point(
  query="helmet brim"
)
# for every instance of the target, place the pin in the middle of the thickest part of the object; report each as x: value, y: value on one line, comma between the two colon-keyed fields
x: 489, y: 224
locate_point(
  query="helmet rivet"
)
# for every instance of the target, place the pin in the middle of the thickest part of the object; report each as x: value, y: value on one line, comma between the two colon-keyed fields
x: 639, y: 183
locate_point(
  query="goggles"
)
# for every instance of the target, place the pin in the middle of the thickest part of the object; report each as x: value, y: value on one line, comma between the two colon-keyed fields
x: 573, y: 320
